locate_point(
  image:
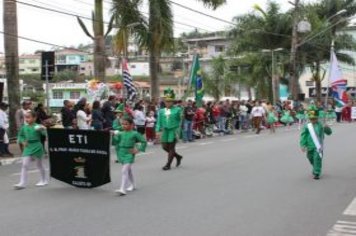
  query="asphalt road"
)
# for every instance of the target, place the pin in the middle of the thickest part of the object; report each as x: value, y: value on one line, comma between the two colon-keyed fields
x: 237, y: 185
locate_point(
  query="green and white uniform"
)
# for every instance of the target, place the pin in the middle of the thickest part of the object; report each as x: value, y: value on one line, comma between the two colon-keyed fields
x: 306, y: 142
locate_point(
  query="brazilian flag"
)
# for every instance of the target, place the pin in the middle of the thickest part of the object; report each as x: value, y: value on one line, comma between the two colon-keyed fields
x: 196, y: 81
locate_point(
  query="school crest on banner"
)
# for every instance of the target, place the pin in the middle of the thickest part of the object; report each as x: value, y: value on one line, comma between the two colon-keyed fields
x: 80, y: 158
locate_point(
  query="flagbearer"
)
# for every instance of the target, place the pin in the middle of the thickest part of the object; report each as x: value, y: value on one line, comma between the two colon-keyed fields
x: 312, y: 139
x: 168, y: 122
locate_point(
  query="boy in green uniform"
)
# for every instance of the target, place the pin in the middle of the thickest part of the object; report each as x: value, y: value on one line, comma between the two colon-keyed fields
x: 311, y: 140
x: 168, y: 122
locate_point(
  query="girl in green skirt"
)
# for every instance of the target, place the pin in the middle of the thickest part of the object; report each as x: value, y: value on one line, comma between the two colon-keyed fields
x: 287, y: 118
x: 272, y: 119
x: 126, y: 147
x: 30, y: 137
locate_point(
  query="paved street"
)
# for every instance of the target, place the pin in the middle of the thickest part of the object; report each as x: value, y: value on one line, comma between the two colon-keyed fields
x: 234, y: 185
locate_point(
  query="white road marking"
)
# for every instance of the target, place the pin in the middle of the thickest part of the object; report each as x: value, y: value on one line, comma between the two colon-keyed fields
x: 351, y: 209
x: 206, y: 143
x: 228, y: 140
x: 29, y: 172
x: 144, y: 153
x: 343, y: 228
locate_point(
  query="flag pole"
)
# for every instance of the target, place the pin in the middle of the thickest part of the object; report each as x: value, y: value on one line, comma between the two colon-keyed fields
x: 328, y: 85
x: 189, y: 85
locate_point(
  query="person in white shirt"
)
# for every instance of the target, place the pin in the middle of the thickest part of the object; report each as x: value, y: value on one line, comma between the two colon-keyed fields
x: 83, y: 119
x: 338, y: 111
x: 20, y: 118
x: 150, y: 127
x: 4, y: 125
x: 140, y: 119
x: 257, y: 114
x: 243, y: 116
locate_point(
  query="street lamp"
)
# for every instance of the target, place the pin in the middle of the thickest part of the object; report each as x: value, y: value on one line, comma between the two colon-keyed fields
x: 275, y: 81
x: 337, y: 14
x: 309, y: 38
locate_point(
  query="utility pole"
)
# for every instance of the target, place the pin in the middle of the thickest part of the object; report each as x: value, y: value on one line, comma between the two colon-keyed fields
x: 11, y: 60
x: 294, y: 80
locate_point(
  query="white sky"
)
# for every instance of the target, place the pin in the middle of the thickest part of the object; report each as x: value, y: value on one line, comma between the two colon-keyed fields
x: 64, y: 30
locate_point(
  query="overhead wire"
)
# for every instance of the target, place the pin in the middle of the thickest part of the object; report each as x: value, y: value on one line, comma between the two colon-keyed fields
x: 87, y: 17
x: 202, y: 13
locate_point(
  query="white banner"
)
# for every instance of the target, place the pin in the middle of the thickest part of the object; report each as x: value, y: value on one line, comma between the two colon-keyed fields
x: 353, y: 112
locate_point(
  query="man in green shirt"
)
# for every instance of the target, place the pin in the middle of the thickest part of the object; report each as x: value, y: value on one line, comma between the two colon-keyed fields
x: 168, y: 122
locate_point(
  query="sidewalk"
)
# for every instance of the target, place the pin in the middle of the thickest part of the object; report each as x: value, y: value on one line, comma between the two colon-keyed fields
x: 15, y: 149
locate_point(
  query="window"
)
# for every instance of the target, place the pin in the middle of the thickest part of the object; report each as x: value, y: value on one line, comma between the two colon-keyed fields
x: 309, y: 83
x: 31, y: 61
x: 61, y: 59
x: 82, y: 68
x: 82, y: 58
x: 72, y: 58
x: 219, y: 48
x: 57, y: 95
x: 34, y: 70
x: 74, y: 95
x: 22, y: 61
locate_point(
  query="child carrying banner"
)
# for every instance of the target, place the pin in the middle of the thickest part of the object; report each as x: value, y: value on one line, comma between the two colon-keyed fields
x: 127, y: 148
x: 30, y: 137
x: 312, y: 140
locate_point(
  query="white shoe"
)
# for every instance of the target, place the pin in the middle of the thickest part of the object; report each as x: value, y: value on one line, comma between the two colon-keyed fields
x: 131, y: 188
x: 120, y: 192
x: 42, y: 184
x: 19, y: 186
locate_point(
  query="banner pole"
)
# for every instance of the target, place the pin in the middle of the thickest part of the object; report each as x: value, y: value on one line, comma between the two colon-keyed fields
x: 47, y: 87
x: 328, y: 85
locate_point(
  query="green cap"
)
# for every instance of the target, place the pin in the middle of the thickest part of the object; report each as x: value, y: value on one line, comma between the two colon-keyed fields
x: 169, y: 94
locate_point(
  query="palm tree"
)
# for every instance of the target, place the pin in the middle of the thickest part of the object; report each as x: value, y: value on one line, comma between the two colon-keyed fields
x: 98, y: 38
x: 129, y: 21
x: 159, y: 35
x: 11, y: 59
x: 316, y: 52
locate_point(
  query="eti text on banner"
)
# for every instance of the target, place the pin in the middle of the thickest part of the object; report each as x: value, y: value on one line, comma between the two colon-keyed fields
x: 79, y: 157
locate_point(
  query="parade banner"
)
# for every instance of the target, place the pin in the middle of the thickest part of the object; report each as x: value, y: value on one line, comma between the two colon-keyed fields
x: 353, y: 113
x: 79, y: 157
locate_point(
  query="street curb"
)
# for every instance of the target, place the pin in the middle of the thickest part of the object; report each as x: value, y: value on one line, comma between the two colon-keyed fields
x: 10, y: 161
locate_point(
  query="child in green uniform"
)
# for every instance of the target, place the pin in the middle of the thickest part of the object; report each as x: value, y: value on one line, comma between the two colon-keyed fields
x: 287, y: 118
x: 300, y: 116
x: 311, y: 141
x: 30, y: 137
x: 330, y: 115
x: 126, y: 148
x: 272, y: 119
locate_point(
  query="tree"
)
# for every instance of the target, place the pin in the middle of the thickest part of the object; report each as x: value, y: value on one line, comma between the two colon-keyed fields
x: 256, y: 31
x: 214, y: 81
x: 11, y: 60
x: 314, y: 53
x: 129, y: 22
x: 98, y: 38
x: 159, y: 34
